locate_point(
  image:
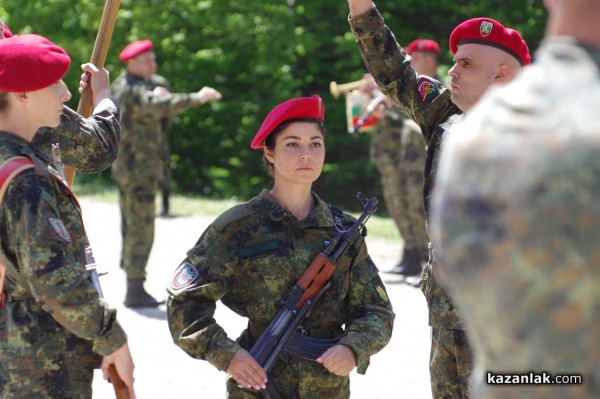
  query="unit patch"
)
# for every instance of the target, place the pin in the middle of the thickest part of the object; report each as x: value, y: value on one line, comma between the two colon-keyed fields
x: 382, y: 294
x: 58, y: 226
x: 184, y: 276
x: 427, y: 88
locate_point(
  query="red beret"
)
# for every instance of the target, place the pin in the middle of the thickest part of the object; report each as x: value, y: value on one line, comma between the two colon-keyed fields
x: 30, y: 63
x: 311, y: 108
x: 426, y: 45
x: 492, y: 33
x: 135, y: 48
x: 7, y: 33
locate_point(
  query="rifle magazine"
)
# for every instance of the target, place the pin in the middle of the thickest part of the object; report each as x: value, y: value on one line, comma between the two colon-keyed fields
x: 309, y: 348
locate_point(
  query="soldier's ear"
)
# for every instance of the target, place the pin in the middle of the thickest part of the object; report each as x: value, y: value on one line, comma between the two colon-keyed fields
x: 269, y: 154
x: 22, y: 97
x: 504, y: 74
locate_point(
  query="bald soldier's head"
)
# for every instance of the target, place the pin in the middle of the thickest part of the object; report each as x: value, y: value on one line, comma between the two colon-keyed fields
x: 485, y: 53
x: 575, y: 18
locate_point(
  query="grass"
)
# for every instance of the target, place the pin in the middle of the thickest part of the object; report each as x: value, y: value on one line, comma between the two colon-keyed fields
x: 377, y: 227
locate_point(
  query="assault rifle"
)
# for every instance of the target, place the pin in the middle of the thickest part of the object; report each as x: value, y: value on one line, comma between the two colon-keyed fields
x: 281, y: 337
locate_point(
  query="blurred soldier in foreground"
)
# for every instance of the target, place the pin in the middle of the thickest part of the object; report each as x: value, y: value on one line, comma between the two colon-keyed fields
x: 139, y: 167
x: 517, y: 217
x: 485, y: 53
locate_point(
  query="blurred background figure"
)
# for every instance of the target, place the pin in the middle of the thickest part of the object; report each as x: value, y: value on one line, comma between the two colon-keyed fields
x: 139, y: 166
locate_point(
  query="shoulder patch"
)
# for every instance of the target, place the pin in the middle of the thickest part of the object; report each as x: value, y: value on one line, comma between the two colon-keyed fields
x: 427, y: 88
x: 231, y: 215
x: 60, y: 229
x: 382, y: 294
x: 184, y: 276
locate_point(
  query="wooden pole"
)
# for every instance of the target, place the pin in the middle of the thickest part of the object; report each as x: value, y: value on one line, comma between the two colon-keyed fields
x: 107, y: 25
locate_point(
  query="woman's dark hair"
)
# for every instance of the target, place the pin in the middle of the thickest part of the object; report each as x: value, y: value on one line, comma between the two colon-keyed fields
x: 3, y: 101
x: 270, y: 141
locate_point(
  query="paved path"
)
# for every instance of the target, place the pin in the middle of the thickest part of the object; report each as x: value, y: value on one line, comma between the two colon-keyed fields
x: 399, y: 371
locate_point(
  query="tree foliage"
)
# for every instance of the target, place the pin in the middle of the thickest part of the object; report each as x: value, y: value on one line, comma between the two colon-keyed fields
x: 258, y: 54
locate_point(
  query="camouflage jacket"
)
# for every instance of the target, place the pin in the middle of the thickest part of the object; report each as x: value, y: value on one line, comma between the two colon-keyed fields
x: 427, y: 102
x: 249, y: 257
x: 518, y: 215
x: 142, y: 113
x: 88, y: 145
x: 54, y: 310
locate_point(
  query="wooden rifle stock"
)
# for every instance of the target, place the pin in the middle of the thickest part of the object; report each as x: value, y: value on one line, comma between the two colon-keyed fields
x: 314, y: 278
x: 107, y: 25
x: 121, y: 390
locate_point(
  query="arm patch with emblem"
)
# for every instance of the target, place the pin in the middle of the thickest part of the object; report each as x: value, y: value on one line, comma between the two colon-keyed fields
x: 184, y: 276
x: 428, y: 88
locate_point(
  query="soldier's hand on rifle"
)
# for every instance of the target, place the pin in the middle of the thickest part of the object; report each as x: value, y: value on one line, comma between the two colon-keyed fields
x: 338, y: 359
x: 123, y: 362
x: 208, y: 93
x: 244, y: 369
x: 96, y: 79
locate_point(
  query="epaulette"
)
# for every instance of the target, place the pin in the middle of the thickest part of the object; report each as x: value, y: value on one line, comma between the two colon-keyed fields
x: 231, y: 215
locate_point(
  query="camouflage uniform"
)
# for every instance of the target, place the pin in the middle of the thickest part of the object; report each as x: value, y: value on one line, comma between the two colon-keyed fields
x: 398, y: 152
x: 248, y: 258
x: 517, y: 214
x: 427, y: 102
x: 88, y: 145
x: 164, y: 183
x: 55, y: 329
x: 138, y: 167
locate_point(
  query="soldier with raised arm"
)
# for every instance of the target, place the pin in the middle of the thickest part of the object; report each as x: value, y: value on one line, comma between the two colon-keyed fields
x: 517, y: 217
x: 485, y: 53
x: 138, y: 168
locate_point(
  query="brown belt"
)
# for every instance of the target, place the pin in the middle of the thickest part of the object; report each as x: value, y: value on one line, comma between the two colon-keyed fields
x: 256, y: 329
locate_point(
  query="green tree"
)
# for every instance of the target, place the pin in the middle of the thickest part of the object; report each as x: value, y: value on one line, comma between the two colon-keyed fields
x: 258, y: 54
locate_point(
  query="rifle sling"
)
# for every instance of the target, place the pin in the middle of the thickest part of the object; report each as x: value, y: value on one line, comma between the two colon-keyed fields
x: 10, y: 169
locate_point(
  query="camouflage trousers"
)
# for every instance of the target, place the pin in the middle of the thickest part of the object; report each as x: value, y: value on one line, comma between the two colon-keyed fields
x: 450, y: 364
x: 298, y: 379
x: 138, y: 208
x: 64, y: 382
x: 164, y: 183
x: 399, y: 155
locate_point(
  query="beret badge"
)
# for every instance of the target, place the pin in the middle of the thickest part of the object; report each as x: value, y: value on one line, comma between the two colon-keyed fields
x: 485, y: 29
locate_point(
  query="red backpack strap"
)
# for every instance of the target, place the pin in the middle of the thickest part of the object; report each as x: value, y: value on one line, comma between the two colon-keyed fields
x: 8, y: 171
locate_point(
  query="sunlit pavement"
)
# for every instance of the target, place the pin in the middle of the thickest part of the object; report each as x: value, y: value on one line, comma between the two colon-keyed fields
x: 164, y: 371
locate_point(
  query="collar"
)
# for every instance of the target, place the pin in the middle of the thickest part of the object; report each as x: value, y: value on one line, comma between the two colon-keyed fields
x: 134, y: 78
x: 21, y: 146
x: 319, y: 216
x: 13, y: 139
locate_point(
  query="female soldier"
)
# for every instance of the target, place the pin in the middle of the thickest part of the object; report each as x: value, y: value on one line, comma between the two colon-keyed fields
x: 54, y: 328
x: 250, y: 256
